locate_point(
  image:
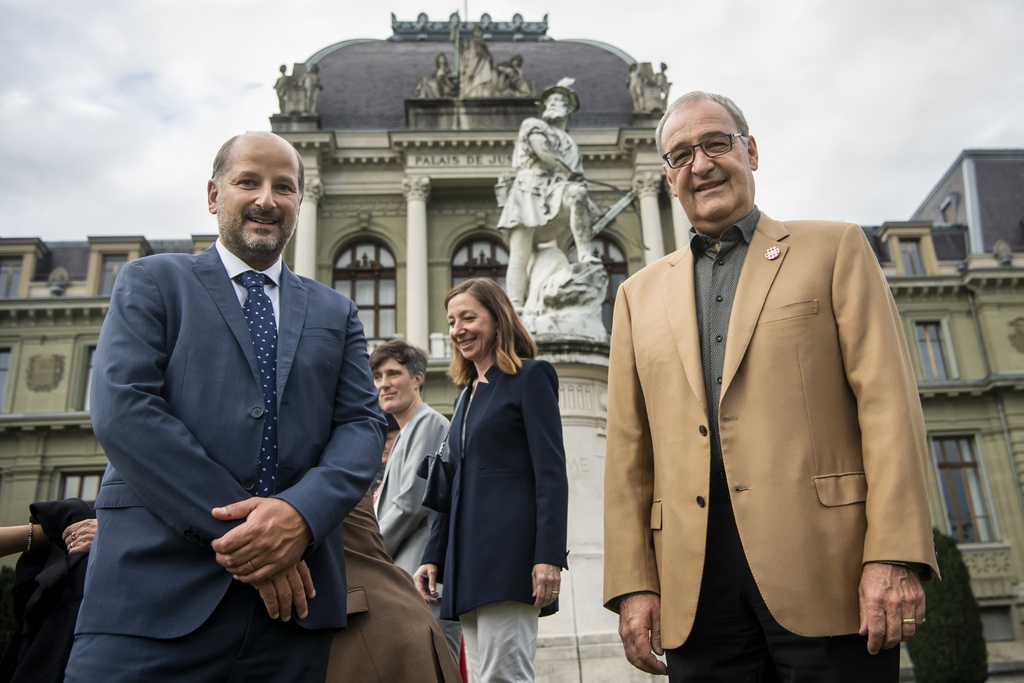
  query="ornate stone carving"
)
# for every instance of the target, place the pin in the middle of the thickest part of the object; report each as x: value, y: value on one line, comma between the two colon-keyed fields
x: 335, y: 206
x: 988, y: 562
x: 648, y: 90
x: 1002, y: 252
x: 577, y: 398
x: 424, y: 29
x: 58, y: 280
x: 439, y: 85
x: 416, y: 188
x: 1016, y: 336
x: 314, y: 190
x: 477, y: 74
x: 297, y: 94
x: 647, y: 184
x: 45, y: 372
x: 510, y: 81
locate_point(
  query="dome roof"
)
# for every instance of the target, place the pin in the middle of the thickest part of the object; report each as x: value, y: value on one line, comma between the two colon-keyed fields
x: 366, y: 82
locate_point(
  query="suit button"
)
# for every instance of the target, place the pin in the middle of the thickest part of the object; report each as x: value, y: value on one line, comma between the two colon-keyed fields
x: 700, y: 501
x: 248, y: 484
x: 703, y: 430
x: 256, y: 412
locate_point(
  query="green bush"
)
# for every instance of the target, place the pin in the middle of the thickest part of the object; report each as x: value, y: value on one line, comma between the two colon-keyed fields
x: 7, y: 623
x: 950, y: 646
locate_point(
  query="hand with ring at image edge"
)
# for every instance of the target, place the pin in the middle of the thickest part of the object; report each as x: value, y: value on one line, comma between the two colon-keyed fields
x: 546, y: 581
x: 891, y: 605
x: 78, y: 537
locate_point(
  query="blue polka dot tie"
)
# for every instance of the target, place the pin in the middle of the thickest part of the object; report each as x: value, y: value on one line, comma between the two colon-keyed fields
x: 259, y: 313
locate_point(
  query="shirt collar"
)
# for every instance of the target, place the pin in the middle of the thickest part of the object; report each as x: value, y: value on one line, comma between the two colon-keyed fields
x: 236, y: 266
x: 699, y: 244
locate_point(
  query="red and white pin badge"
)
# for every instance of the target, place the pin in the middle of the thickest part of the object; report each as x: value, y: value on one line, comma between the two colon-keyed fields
x: 772, y: 253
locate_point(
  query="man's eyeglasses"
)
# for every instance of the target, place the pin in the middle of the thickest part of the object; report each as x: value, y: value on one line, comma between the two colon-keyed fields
x: 713, y: 147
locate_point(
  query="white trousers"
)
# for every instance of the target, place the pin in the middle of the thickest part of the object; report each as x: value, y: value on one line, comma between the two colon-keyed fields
x: 501, y: 641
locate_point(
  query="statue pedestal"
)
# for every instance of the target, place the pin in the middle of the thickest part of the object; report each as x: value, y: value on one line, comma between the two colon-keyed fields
x: 580, y: 644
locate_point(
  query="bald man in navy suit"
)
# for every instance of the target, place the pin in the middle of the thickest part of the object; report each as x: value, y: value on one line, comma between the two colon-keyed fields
x: 234, y: 402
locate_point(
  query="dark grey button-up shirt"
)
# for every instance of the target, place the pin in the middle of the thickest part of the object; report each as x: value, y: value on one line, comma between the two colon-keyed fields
x: 716, y: 272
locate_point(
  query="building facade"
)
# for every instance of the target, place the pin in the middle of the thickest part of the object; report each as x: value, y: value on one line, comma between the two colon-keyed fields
x: 401, y: 168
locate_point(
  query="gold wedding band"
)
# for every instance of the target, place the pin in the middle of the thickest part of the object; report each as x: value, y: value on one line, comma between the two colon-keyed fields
x: 554, y: 592
x: 72, y: 538
x: 910, y: 622
x: 72, y: 546
x: 249, y: 562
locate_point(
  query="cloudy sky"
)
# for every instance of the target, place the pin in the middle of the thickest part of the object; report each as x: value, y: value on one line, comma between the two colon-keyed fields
x: 111, y: 111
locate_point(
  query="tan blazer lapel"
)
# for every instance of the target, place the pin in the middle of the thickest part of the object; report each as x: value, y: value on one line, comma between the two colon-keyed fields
x: 756, y: 279
x: 681, y: 313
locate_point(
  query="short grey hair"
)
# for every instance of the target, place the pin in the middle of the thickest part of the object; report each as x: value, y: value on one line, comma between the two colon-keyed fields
x: 701, y: 96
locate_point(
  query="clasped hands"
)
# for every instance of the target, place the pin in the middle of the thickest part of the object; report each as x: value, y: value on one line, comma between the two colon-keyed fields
x: 265, y: 551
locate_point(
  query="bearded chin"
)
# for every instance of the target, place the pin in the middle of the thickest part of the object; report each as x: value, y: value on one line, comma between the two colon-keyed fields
x: 270, y: 243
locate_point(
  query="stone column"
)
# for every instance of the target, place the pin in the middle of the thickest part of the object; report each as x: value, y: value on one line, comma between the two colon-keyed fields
x: 647, y: 185
x: 305, y: 233
x: 417, y: 300
x: 680, y: 224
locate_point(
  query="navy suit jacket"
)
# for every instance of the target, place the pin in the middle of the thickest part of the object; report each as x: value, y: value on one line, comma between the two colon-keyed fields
x: 510, y: 495
x: 177, y: 406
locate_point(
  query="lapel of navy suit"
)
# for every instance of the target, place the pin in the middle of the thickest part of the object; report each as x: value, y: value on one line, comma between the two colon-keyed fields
x: 176, y: 406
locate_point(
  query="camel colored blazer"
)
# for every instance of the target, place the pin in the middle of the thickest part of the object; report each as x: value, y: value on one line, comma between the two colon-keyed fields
x: 822, y: 432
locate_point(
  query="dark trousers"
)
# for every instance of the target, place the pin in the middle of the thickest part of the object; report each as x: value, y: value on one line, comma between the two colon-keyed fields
x: 238, y: 643
x: 735, y: 638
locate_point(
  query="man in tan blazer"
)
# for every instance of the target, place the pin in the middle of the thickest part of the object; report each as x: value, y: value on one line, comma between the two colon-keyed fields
x: 766, y: 513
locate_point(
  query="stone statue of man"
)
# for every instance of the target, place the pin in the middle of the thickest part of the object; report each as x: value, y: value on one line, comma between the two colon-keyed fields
x: 311, y: 86
x: 548, y: 193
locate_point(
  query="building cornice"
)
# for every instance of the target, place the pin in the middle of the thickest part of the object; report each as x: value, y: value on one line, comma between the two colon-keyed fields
x: 1012, y: 381
x: 52, y: 311
x: 54, y: 422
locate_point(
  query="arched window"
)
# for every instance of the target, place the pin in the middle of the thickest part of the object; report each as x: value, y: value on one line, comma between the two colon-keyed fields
x: 480, y: 257
x: 365, y: 273
x: 614, y: 261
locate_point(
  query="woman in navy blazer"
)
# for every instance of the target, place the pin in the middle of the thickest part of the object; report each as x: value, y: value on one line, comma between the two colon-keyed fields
x: 500, y: 551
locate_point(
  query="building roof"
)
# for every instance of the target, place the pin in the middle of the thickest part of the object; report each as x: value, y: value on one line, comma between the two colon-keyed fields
x: 366, y: 82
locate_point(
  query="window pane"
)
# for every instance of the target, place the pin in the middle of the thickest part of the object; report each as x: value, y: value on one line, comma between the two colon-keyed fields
x: 344, y: 259
x: 962, y: 490
x: 88, y: 379
x: 344, y: 286
x: 386, y: 259
x: 365, y: 293
x: 5, y: 366
x: 387, y: 293
x: 929, y: 345
x: 910, y: 250
x: 112, y: 264
x: 72, y: 483
x: 90, y: 487
x: 365, y: 255
x: 366, y: 317
x: 10, y: 277
x: 387, y: 322
x: 480, y: 257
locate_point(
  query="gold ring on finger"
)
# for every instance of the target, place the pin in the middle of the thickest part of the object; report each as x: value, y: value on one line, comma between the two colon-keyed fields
x: 910, y: 622
x: 249, y: 562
